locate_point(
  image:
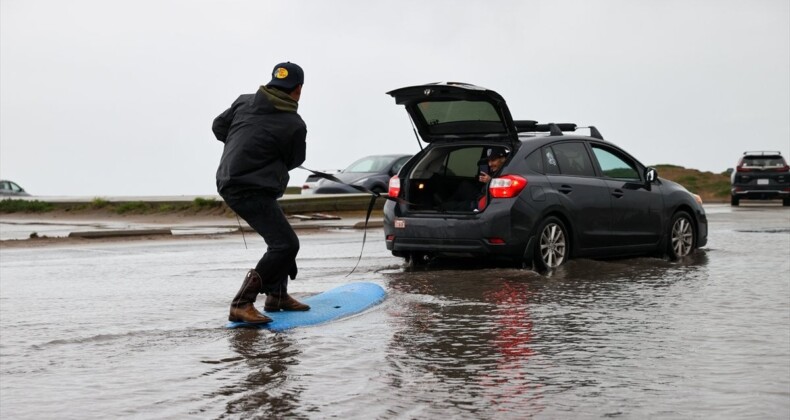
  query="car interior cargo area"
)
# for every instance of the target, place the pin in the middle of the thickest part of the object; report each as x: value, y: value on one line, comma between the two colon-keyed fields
x: 446, y: 180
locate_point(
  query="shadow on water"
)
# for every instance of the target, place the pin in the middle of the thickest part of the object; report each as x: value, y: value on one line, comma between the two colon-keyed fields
x: 487, y: 339
x: 264, y: 358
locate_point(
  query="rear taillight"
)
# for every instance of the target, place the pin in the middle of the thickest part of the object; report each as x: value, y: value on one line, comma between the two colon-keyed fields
x: 740, y: 168
x: 507, y: 186
x: 394, y: 189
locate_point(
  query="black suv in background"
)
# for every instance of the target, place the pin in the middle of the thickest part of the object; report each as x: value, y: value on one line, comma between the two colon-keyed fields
x: 761, y: 176
x: 556, y: 197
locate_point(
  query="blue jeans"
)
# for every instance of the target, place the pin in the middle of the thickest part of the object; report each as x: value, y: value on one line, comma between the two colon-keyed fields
x: 263, y: 213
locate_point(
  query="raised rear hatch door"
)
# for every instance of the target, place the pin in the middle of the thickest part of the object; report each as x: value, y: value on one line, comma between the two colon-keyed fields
x: 451, y: 111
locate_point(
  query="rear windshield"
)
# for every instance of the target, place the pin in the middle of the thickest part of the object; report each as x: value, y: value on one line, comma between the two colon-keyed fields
x: 447, y: 117
x: 763, y: 161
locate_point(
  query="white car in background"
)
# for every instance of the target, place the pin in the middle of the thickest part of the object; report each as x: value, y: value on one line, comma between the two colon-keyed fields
x: 311, y: 182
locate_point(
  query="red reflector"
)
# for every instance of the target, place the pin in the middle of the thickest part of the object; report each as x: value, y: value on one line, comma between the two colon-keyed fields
x: 390, y: 237
x: 394, y: 187
x: 496, y: 241
x: 507, y: 186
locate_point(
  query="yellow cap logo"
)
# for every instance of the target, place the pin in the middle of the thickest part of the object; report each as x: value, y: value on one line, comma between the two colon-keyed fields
x: 281, y: 73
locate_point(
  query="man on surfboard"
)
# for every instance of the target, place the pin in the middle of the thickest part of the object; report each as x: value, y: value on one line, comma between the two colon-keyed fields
x: 264, y: 138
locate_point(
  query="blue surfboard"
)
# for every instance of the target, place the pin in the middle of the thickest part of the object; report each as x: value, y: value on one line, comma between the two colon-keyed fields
x: 336, y: 303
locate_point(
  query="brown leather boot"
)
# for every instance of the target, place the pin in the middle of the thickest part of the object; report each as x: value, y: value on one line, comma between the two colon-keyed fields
x: 283, y: 302
x: 242, y: 308
x: 247, y: 314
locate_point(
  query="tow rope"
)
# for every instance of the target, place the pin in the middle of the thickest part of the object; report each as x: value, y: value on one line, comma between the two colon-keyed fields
x: 373, y: 196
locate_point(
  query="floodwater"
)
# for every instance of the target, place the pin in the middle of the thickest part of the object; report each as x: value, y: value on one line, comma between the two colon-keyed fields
x: 136, y: 330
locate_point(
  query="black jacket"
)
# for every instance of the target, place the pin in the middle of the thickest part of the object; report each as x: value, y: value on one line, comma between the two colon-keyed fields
x: 264, y: 139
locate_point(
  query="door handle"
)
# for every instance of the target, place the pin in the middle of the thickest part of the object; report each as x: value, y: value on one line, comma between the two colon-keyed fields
x: 565, y: 189
x: 617, y: 193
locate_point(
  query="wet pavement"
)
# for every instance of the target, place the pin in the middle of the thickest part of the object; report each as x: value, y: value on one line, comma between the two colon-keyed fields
x: 135, y: 329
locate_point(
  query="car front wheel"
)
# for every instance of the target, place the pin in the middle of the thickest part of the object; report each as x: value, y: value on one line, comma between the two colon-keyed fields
x: 681, y: 236
x: 552, y: 247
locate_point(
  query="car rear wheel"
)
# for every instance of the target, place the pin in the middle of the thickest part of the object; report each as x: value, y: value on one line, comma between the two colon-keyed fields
x: 734, y: 201
x: 786, y: 202
x: 552, y: 247
x: 681, y: 236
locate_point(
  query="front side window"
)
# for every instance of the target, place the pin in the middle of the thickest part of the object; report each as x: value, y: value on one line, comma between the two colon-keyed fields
x: 614, y: 166
x: 573, y: 159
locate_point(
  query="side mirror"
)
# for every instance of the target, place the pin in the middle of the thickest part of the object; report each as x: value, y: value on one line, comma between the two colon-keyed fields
x: 651, y: 175
x: 729, y: 171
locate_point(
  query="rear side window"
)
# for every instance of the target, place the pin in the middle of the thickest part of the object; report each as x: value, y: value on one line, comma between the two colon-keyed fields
x: 615, y: 166
x: 444, y: 161
x: 549, y: 161
x: 572, y: 159
x: 463, y: 162
x: 535, y: 162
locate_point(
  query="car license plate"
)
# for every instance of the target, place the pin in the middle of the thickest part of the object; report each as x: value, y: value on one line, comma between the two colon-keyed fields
x: 762, y: 182
x: 400, y: 224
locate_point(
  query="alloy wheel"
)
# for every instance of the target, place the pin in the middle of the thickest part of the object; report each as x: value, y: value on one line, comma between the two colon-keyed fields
x: 682, y: 237
x: 552, y: 245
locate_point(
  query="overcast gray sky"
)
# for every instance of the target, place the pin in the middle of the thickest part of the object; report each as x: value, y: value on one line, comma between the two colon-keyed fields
x: 103, y: 98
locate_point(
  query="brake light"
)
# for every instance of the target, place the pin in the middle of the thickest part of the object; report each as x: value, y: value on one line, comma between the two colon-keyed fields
x: 394, y: 189
x: 740, y: 168
x: 507, y: 186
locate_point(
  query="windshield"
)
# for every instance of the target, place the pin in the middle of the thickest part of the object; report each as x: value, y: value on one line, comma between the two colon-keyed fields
x: 370, y: 164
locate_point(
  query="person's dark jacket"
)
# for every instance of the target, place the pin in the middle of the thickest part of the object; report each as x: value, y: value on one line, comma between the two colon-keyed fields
x: 264, y: 138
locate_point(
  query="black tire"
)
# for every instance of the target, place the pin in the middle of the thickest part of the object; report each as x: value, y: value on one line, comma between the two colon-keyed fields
x: 786, y: 202
x: 417, y: 259
x: 552, y: 247
x: 682, y: 236
x: 734, y: 201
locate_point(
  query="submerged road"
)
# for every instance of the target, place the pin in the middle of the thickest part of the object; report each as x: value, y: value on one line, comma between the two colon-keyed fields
x: 135, y: 329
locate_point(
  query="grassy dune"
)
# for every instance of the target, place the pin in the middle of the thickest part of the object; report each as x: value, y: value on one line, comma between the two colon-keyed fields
x: 713, y: 188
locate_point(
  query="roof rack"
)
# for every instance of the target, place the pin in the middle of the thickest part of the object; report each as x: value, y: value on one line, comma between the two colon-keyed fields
x: 554, y: 129
x: 763, y: 152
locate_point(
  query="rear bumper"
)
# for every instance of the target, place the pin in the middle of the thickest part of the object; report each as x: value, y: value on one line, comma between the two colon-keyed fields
x: 760, y: 193
x: 491, y: 232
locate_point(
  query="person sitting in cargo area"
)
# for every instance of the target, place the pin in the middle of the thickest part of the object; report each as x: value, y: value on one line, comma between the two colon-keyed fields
x: 470, y: 195
x: 496, y: 158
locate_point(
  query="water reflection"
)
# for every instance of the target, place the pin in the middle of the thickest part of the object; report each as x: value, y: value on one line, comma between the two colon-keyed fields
x: 262, y: 392
x: 487, y: 340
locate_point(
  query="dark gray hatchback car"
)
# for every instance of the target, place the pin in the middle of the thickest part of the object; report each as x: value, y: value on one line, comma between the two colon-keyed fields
x: 558, y: 196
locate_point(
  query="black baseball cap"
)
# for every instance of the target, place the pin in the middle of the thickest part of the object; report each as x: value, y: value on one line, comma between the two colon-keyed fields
x: 287, y: 76
x: 495, y: 152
